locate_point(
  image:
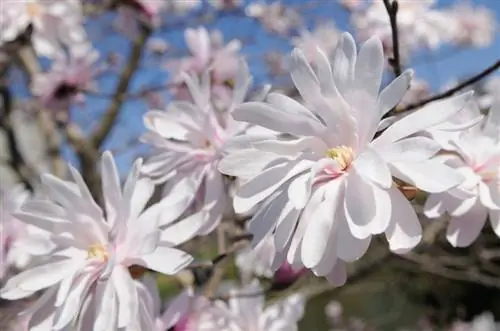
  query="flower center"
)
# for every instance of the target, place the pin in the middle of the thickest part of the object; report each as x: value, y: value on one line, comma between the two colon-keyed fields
x: 342, y: 154
x: 33, y: 9
x: 97, y: 252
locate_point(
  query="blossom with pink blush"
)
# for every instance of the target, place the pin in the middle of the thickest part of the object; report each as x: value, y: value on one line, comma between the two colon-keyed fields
x: 472, y: 26
x: 208, y: 53
x: 476, y: 155
x: 275, y: 17
x: 351, y: 4
x: 65, y: 81
x: 226, y: 4
x: 57, y: 24
x: 419, y: 25
x: 286, y: 275
x: 188, y: 140
x: 182, y: 6
x: 324, y: 36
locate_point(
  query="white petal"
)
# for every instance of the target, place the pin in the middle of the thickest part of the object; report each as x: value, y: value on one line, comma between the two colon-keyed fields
x: 463, y: 230
x: 369, y: 67
x: 430, y: 176
x: 176, y: 309
x: 372, y: 167
x: 279, y: 120
x: 429, y: 116
x: 393, y: 93
x: 405, y: 231
x: 414, y: 149
x: 165, y: 260
x: 338, y: 275
x: 486, y: 197
x: 183, y: 230
x: 349, y: 248
x: 245, y: 164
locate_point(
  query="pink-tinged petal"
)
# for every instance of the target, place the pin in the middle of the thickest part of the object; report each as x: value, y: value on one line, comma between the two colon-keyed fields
x: 414, y: 149
x: 165, y: 260
x: 126, y: 295
x: 322, y: 224
x: 278, y: 119
x: 348, y: 247
x: 369, y: 67
x: 338, y: 275
x: 393, y: 93
x: 264, y: 184
x: 430, y: 176
x: 463, y: 230
x: 183, y: 230
x: 487, y: 198
x: 107, y: 307
x: 372, y: 167
x: 427, y: 117
x: 176, y: 309
x: 405, y: 230
x: 358, y: 218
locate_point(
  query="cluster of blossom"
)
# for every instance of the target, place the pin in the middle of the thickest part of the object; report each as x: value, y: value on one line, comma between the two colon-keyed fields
x: 297, y: 170
x: 339, y: 322
x: 422, y: 25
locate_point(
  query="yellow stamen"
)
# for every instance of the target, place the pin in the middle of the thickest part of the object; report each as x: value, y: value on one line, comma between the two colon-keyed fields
x: 342, y: 154
x: 98, y: 252
x: 33, y: 9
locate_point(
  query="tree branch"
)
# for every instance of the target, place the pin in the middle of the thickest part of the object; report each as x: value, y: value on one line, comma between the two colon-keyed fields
x: 472, y: 80
x: 16, y: 159
x: 392, y: 11
x: 111, y: 114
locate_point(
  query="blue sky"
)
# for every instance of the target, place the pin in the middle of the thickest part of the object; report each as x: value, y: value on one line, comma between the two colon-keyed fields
x: 438, y: 68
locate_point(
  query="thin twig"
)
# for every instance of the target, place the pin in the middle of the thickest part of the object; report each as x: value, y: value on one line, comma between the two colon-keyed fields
x: 392, y: 10
x: 471, y: 81
x: 111, y: 114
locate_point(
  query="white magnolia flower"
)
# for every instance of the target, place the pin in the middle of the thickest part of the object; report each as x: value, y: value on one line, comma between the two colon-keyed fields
x: 324, y: 36
x: 259, y: 260
x: 311, y: 185
x: 245, y: 311
x: 188, y: 139
x: 88, y: 270
x: 419, y: 25
x: 176, y: 308
x: 55, y: 23
x: 477, y: 156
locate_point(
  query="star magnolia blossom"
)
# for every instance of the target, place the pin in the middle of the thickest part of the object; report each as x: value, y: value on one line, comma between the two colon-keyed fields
x: 418, y: 25
x: 477, y: 156
x: 311, y: 185
x: 245, y: 311
x: 69, y: 75
x: 19, y: 242
x: 325, y: 36
x: 54, y: 22
x: 208, y: 53
x: 275, y: 16
x: 189, y: 139
x: 176, y: 308
x: 88, y: 270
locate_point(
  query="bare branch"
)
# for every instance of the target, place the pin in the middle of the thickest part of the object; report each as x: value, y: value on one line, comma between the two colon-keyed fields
x: 111, y: 114
x: 16, y: 159
x: 392, y: 11
x: 472, y: 80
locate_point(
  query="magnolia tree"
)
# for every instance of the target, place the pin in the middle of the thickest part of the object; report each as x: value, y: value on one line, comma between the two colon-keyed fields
x: 306, y: 170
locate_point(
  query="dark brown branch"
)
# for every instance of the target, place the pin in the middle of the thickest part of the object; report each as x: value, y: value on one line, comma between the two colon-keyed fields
x: 16, y: 159
x: 471, y: 81
x: 392, y: 11
x: 111, y: 114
